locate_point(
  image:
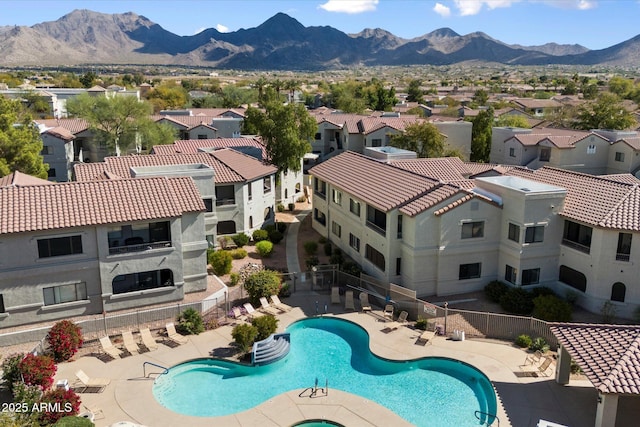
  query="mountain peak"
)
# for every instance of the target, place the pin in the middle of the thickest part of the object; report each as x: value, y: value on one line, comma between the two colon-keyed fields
x: 444, y: 33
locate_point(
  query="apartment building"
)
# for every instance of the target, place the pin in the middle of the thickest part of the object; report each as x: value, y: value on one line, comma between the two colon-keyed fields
x: 446, y: 227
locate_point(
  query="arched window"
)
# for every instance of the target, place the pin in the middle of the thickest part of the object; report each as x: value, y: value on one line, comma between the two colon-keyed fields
x: 573, y: 278
x: 618, y: 291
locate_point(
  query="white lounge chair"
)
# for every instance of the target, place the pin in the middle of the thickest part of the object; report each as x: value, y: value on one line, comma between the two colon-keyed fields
x: 85, y: 382
x: 393, y: 325
x: 174, y: 336
x: 388, y: 312
x: 108, y: 347
x: 237, y: 314
x: 275, y: 301
x: 267, y: 308
x: 335, y: 295
x: 364, y: 301
x: 130, y: 343
x: 348, y: 301
x: 426, y: 337
x: 148, y: 340
x: 252, y: 312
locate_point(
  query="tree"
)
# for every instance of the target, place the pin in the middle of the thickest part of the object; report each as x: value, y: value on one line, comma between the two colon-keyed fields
x: 262, y: 283
x: 414, y: 93
x: 168, y: 95
x: 512, y: 121
x: 20, y: 143
x: 88, y: 79
x: 620, y: 86
x: 480, y: 97
x: 285, y: 131
x: 424, y: 138
x: 606, y: 112
x: 481, y: 136
x: 114, y: 120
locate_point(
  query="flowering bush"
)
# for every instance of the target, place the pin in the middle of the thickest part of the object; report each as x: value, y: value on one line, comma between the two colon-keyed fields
x: 37, y: 370
x: 64, y: 338
x: 58, y: 403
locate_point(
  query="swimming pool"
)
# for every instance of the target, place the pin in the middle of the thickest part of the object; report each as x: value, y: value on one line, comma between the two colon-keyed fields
x: 431, y: 391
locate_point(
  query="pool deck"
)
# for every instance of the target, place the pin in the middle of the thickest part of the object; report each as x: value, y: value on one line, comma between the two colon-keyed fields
x: 522, y: 400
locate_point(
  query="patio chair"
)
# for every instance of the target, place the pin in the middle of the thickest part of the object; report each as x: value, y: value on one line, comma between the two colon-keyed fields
x: 267, y: 308
x: 174, y: 336
x: 252, y: 312
x: 95, y: 411
x: 532, y: 359
x: 426, y: 337
x: 544, y: 366
x: 275, y: 301
x: 108, y: 348
x: 85, y: 382
x: 237, y: 314
x: 148, y: 340
x: 335, y: 295
x: 364, y: 301
x: 388, y: 312
x: 130, y: 343
x: 348, y: 301
x: 395, y: 324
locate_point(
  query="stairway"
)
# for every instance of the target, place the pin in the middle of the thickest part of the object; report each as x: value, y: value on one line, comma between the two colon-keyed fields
x: 271, y: 349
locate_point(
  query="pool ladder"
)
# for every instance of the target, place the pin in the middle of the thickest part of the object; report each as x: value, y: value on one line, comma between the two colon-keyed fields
x: 492, y: 417
x: 314, y: 390
x: 144, y: 368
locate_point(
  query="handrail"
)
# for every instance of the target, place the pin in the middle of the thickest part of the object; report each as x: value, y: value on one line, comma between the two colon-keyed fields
x: 494, y: 416
x: 144, y: 368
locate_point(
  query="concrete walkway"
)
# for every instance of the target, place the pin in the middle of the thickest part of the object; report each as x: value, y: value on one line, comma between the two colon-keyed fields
x: 291, y: 242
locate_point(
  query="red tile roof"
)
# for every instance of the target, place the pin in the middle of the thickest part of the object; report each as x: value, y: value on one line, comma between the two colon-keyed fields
x: 19, y: 179
x: 445, y: 169
x: 61, y: 133
x: 80, y: 204
x: 197, y: 145
x: 609, y: 355
x: 229, y: 165
x: 74, y: 126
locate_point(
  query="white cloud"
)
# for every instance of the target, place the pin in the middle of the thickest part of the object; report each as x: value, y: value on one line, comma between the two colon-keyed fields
x: 473, y: 7
x: 350, y: 6
x: 571, y: 4
x: 222, y: 28
x: 442, y: 10
x: 199, y: 30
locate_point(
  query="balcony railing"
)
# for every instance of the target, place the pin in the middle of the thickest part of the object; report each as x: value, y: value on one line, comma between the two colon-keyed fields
x: 622, y: 257
x: 138, y: 248
x: 319, y: 194
x: 577, y: 246
x: 225, y: 202
x: 375, y: 227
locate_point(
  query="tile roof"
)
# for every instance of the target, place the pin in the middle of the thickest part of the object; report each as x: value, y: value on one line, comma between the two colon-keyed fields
x: 80, y: 204
x: 428, y: 200
x: 197, y: 145
x: 609, y: 355
x: 592, y: 199
x: 19, y: 179
x: 627, y: 178
x: 229, y: 165
x: 445, y: 169
x: 61, y: 133
x: 381, y: 185
x: 74, y: 126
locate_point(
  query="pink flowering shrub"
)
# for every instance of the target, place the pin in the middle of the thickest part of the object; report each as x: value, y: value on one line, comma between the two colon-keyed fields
x: 56, y: 404
x: 64, y: 338
x: 37, y: 370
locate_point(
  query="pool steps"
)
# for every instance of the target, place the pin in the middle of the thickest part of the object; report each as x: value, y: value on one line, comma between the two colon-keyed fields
x: 270, y: 349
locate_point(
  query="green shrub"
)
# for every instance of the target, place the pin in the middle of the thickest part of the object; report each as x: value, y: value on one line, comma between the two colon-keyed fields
x: 275, y: 237
x: 234, y: 279
x: 551, y: 308
x: 523, y: 341
x: 264, y: 248
x: 539, y: 344
x: 281, y: 227
x: 311, y: 247
x: 542, y: 291
x: 495, y: 290
x: 301, y: 199
x: 240, y: 239
x: 336, y: 257
x: 292, y: 206
x: 260, y: 235
x: 285, y: 290
x: 322, y: 240
x: 189, y: 322
x: 311, y: 262
x: 328, y: 249
x: 244, y: 335
x: 262, y: 283
x: 269, y: 228
x: 238, y: 253
x: 64, y: 338
x: 517, y: 301
x: 280, y: 207
x: 74, y: 421
x: 221, y: 262
x: 351, y: 268
x: 422, y: 323
x: 11, y: 370
x: 266, y: 325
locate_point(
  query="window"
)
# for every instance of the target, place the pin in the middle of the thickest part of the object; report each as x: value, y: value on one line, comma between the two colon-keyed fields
x: 472, y: 230
x: 225, y: 195
x: 534, y: 234
x: 266, y: 185
x: 511, y: 274
x: 512, y: 152
x: 140, y: 281
x: 530, y: 276
x: 377, y: 220
x: 202, y: 136
x: 65, y: 293
x: 249, y: 191
x: 336, y: 196
x: 374, y: 256
x: 59, y: 246
x: 399, y: 227
x: 591, y: 149
x: 227, y: 227
x: 336, y: 228
x: 573, y: 278
x: 51, y: 173
x: 319, y: 216
x: 208, y: 204
x: 250, y: 221
x: 2, y: 304
x: 619, y: 156
x: 398, y: 266
x: 354, y: 207
x: 469, y: 271
x: 624, y: 247
x: 545, y: 154
x: 46, y: 150
x: 354, y: 242
x: 618, y: 292
x: 139, y: 237
x: 514, y: 233
x: 376, y: 142
x: 317, y: 136
x: 320, y: 188
x: 577, y: 236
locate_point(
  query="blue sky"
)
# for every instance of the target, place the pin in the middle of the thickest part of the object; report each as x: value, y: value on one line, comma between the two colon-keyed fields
x: 595, y: 24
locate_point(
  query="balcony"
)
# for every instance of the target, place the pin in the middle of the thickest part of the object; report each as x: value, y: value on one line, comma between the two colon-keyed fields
x: 622, y: 257
x: 138, y: 248
x: 225, y: 202
x: 380, y: 230
x: 577, y: 246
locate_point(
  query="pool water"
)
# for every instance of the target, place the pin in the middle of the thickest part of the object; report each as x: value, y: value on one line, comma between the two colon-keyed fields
x: 430, y: 391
